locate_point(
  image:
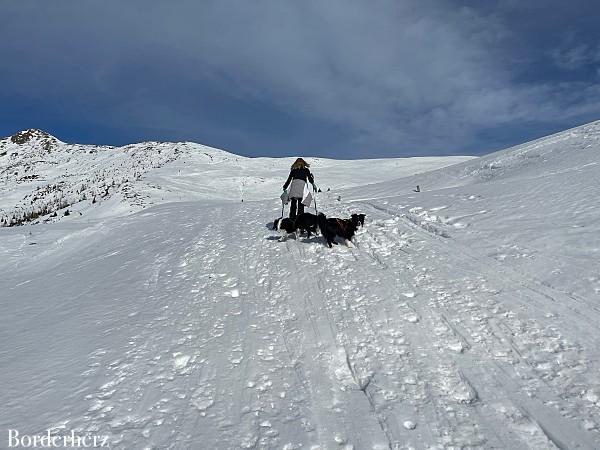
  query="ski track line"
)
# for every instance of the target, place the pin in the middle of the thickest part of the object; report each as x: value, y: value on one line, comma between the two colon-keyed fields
x: 407, y: 329
x: 491, y: 268
x: 323, y: 344
x: 592, y: 410
x: 457, y: 342
x: 391, y: 411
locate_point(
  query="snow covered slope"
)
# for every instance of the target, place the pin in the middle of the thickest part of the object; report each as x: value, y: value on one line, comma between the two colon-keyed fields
x: 467, y: 316
x: 43, y: 178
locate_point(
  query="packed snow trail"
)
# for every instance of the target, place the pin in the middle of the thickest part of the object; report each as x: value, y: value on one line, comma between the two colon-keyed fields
x: 193, y: 326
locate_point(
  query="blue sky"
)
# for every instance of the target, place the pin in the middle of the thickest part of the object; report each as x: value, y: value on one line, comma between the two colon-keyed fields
x: 336, y: 78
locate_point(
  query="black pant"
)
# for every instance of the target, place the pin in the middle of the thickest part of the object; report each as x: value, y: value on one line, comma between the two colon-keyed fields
x: 296, y: 204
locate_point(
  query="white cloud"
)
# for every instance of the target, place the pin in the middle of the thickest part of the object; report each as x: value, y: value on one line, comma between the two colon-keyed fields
x: 576, y: 56
x: 416, y: 73
x: 396, y: 74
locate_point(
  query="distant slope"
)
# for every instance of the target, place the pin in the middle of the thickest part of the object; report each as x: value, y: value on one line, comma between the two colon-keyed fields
x: 535, y: 207
x: 568, y: 149
x: 43, y: 178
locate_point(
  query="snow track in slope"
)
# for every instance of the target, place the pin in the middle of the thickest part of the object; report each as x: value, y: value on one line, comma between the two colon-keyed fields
x: 203, y: 330
x: 477, y: 306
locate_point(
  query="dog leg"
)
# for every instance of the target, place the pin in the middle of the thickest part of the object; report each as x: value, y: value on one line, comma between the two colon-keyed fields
x: 349, y: 243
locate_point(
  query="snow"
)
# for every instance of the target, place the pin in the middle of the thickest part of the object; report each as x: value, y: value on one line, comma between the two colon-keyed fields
x: 44, y: 175
x: 466, y: 316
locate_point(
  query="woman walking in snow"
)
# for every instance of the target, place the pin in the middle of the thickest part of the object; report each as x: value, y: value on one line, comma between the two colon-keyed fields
x: 299, y: 192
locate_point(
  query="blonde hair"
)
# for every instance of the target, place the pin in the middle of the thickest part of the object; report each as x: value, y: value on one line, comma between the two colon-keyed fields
x: 299, y: 164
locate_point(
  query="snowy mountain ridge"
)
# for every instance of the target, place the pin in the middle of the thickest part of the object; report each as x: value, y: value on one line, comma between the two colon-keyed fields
x: 44, y: 178
x: 42, y: 175
x: 545, y: 155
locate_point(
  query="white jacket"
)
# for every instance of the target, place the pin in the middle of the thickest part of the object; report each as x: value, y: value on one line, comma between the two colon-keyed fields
x: 301, y: 189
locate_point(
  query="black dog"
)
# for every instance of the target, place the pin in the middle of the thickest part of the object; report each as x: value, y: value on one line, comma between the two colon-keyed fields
x: 284, y: 223
x: 360, y: 218
x: 306, y: 222
x: 332, y: 227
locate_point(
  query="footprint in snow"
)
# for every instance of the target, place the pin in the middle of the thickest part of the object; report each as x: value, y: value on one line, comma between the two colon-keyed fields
x: 202, y: 398
x: 409, y: 425
x: 180, y: 361
x: 456, y: 346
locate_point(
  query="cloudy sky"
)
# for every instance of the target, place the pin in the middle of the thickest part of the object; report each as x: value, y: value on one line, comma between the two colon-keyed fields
x: 339, y: 78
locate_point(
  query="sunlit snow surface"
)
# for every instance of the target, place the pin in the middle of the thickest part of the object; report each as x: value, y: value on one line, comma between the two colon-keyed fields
x: 467, y: 315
